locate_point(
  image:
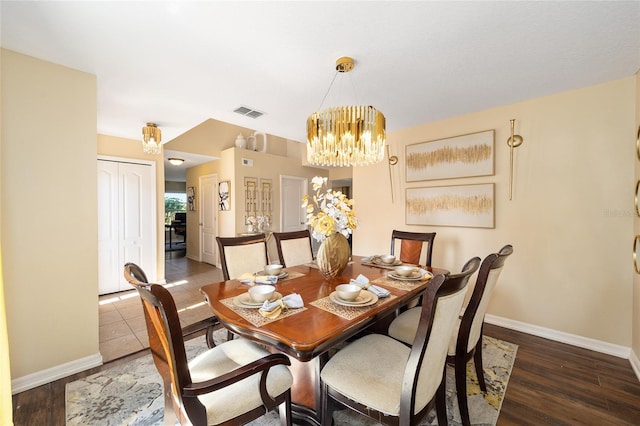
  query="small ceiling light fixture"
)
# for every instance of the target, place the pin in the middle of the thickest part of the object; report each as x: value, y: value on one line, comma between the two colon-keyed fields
x: 151, y: 138
x: 347, y: 135
x: 176, y: 161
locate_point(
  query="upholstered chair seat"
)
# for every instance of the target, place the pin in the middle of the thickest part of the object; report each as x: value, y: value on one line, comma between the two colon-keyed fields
x: 244, y: 395
x: 389, y: 381
x: 465, y: 341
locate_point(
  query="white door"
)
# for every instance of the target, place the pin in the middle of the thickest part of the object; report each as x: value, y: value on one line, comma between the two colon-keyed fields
x: 292, y: 189
x: 208, y: 218
x: 126, y: 222
x: 108, y: 228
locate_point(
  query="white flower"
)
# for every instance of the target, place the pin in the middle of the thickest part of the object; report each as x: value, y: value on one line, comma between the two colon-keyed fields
x: 330, y: 212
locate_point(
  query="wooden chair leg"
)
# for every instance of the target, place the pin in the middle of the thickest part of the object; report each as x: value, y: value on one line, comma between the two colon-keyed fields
x: 209, y: 336
x: 285, y: 411
x: 461, y: 389
x: 477, y: 361
x: 441, y: 400
x: 326, y: 413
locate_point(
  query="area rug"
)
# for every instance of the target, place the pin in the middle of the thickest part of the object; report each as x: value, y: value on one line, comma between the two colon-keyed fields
x: 131, y: 393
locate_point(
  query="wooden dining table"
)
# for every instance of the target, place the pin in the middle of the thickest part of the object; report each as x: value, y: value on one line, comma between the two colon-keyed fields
x: 309, y: 334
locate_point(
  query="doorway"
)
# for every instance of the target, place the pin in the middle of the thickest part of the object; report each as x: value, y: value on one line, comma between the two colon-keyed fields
x: 208, y: 218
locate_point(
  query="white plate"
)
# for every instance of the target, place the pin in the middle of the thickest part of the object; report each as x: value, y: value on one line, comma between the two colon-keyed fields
x: 244, y: 301
x: 378, y: 261
x: 415, y: 276
x: 281, y: 275
x: 365, y: 298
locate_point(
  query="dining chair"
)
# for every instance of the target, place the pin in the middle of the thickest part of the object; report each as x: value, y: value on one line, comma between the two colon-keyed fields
x: 411, y: 245
x: 466, y: 339
x: 136, y: 276
x: 391, y: 382
x: 294, y: 248
x: 240, y: 255
x: 232, y: 383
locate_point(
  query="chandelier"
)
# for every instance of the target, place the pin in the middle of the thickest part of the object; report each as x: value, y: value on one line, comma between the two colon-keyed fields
x: 151, y: 138
x: 347, y: 135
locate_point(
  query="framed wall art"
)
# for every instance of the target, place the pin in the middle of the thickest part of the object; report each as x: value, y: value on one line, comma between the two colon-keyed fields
x: 456, y: 157
x: 191, y: 198
x: 458, y: 205
x: 224, y: 194
x: 250, y: 198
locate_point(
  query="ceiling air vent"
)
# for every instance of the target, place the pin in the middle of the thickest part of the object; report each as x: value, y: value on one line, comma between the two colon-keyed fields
x: 248, y: 112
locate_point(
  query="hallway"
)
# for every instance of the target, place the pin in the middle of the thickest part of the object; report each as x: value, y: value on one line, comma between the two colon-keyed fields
x: 122, y: 325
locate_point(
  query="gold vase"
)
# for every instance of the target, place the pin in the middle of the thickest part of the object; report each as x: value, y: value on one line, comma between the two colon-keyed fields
x: 333, y: 255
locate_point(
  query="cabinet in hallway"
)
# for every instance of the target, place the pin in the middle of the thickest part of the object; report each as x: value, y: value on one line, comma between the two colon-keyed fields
x: 126, y: 221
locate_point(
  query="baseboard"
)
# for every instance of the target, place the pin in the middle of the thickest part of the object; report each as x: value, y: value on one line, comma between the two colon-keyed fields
x: 635, y: 364
x: 49, y: 375
x: 562, y: 337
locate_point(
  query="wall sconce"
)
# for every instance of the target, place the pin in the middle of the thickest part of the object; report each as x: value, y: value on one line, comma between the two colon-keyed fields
x: 514, y: 141
x: 176, y: 161
x: 151, y: 138
x: 393, y: 160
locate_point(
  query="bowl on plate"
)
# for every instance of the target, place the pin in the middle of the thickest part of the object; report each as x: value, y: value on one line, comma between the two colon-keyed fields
x: 388, y: 258
x: 260, y: 293
x: 273, y: 269
x: 348, y: 292
x: 405, y: 270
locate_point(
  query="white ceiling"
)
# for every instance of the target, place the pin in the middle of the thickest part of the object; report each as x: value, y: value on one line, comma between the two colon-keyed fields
x: 180, y: 63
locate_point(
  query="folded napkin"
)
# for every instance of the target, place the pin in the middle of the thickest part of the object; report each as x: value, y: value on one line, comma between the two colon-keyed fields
x: 363, y: 282
x: 273, y: 309
x: 248, y: 278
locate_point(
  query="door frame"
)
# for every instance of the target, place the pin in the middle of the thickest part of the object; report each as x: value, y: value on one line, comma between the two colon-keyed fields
x: 302, y: 180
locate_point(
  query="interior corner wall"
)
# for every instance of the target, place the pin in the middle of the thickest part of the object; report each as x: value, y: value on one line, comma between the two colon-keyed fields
x: 49, y: 213
x: 636, y: 277
x: 132, y: 149
x: 570, y: 220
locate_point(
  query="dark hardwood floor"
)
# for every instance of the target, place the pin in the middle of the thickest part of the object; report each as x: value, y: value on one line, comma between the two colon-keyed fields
x: 551, y: 384
x: 557, y: 384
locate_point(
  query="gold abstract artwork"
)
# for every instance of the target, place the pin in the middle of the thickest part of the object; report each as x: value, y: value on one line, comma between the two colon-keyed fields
x: 469, y: 205
x: 449, y: 155
x: 455, y: 157
x: 456, y: 205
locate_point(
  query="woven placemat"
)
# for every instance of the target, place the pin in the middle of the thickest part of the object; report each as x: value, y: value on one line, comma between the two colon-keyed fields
x: 347, y: 312
x: 399, y: 284
x: 291, y: 276
x: 254, y: 316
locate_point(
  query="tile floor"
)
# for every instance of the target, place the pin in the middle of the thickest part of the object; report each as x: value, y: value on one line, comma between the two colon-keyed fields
x: 122, y: 327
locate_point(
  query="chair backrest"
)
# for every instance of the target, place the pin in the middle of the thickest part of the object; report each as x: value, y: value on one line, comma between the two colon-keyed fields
x: 294, y: 248
x: 411, y: 246
x: 133, y: 272
x: 425, y: 368
x: 470, y: 329
x: 240, y: 255
x: 166, y: 344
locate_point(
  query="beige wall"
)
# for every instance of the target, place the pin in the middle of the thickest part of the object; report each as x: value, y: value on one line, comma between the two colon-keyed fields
x: 130, y: 148
x: 636, y: 277
x: 570, y: 220
x: 230, y: 167
x: 49, y: 213
x: 211, y: 137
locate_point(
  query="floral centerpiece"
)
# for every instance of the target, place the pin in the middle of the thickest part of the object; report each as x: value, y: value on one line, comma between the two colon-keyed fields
x: 330, y: 212
x: 258, y: 223
x: 332, y: 219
